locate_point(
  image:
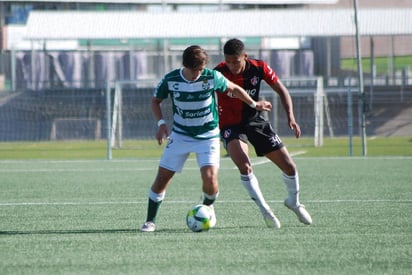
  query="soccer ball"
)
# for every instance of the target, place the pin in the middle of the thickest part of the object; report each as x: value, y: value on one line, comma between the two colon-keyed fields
x: 199, y: 218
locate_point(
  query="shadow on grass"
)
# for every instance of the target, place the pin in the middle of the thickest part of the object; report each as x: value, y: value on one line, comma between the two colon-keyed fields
x: 88, y: 231
x: 74, y: 231
x: 111, y: 231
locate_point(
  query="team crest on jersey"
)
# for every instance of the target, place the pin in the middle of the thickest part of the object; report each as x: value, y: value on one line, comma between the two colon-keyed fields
x: 205, y: 84
x: 179, y: 111
x: 254, y: 81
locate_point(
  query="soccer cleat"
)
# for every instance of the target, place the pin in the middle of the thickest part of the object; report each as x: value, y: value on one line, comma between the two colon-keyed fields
x: 213, y: 216
x: 301, y: 212
x: 270, y: 219
x: 148, y: 227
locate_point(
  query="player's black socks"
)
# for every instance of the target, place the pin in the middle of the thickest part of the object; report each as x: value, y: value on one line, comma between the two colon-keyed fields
x: 207, y: 201
x: 152, y: 209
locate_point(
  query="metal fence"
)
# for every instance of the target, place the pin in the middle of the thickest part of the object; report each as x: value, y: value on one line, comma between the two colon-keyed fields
x: 68, y: 113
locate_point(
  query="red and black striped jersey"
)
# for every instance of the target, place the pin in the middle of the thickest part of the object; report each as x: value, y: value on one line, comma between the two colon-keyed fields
x: 233, y: 111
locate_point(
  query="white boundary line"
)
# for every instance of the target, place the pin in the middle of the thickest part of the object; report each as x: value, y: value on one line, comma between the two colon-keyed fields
x: 5, y: 204
x: 256, y: 161
x: 193, y: 159
x: 265, y: 160
x: 68, y: 170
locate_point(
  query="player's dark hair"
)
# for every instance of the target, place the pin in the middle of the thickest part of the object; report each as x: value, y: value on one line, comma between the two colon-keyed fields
x: 194, y: 57
x: 234, y: 47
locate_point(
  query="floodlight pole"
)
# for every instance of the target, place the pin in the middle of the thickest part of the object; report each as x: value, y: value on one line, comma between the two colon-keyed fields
x: 360, y: 80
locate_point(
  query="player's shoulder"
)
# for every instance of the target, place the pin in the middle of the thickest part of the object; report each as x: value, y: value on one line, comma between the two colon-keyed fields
x: 172, y: 74
x: 221, y: 67
x: 263, y: 68
x: 208, y: 71
x: 257, y: 62
x: 212, y: 73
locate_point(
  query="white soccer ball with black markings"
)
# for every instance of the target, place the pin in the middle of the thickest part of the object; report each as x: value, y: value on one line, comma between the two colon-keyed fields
x: 199, y: 218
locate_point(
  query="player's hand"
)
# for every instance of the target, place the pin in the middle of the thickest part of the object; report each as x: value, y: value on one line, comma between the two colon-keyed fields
x: 295, y: 127
x: 263, y: 105
x: 162, y: 133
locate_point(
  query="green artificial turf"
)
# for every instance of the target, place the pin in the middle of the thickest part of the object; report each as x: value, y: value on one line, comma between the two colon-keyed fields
x: 136, y: 149
x: 82, y: 217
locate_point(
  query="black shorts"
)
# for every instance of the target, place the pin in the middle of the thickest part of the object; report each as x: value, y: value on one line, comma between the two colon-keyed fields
x: 259, y: 133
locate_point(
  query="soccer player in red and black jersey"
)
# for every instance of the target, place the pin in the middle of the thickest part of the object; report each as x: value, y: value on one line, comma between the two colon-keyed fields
x: 240, y: 124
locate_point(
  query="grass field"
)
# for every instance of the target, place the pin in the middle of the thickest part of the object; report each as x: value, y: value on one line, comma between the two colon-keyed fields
x: 75, y: 150
x: 82, y: 217
x: 381, y: 63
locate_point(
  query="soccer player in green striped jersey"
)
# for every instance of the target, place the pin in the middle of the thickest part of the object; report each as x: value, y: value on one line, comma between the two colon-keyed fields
x: 195, y: 128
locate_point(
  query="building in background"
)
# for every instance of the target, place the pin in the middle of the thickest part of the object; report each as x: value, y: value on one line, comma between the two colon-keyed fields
x: 84, y: 62
x: 61, y: 62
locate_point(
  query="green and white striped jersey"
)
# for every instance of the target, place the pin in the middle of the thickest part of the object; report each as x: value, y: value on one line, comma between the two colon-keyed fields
x: 195, y: 112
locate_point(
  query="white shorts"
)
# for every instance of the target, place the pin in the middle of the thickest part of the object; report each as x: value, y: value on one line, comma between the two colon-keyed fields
x: 179, y: 147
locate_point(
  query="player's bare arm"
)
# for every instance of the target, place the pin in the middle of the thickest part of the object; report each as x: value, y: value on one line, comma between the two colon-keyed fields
x: 241, y: 94
x: 162, y: 130
x: 287, y: 103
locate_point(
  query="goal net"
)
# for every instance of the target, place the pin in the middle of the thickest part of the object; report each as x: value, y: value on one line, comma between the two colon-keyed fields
x: 128, y: 104
x: 75, y: 128
x: 310, y: 104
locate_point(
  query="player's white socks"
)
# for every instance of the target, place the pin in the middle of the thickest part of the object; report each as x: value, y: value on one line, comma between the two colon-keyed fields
x: 251, y: 183
x: 292, y: 187
x: 155, y: 196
